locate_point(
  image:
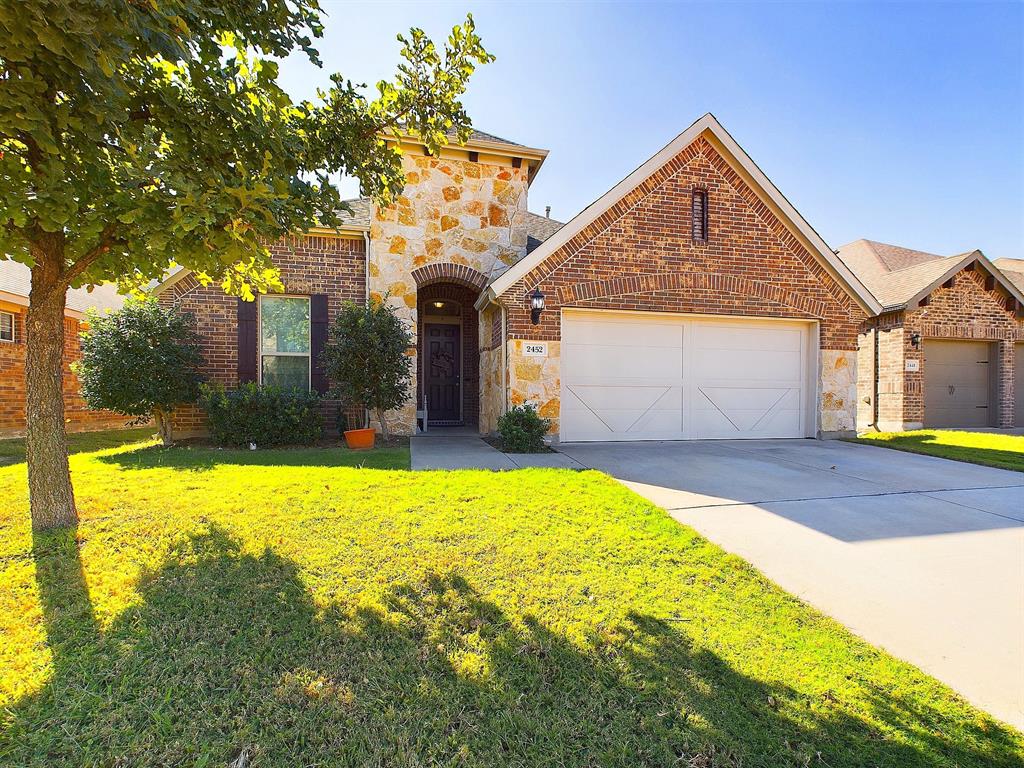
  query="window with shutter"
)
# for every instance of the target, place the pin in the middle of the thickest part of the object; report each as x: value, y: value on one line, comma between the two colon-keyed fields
x: 285, y: 341
x: 699, y: 215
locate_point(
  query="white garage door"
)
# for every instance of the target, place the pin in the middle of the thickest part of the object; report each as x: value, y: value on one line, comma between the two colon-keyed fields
x: 637, y: 376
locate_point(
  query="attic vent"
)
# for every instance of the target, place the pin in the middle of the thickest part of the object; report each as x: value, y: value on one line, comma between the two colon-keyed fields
x: 699, y: 215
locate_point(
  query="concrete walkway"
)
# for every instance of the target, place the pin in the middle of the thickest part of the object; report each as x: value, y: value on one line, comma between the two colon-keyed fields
x: 460, y: 449
x: 919, y: 555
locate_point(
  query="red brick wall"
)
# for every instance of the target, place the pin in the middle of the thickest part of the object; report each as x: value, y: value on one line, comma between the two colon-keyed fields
x: 78, y: 417
x: 310, y: 264
x: 639, y: 255
x: 964, y: 310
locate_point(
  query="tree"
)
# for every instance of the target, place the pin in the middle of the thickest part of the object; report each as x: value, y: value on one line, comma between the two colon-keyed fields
x: 365, y: 358
x: 142, y: 361
x: 139, y: 135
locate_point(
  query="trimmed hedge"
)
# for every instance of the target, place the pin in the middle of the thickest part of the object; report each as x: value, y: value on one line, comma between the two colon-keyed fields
x: 263, y: 416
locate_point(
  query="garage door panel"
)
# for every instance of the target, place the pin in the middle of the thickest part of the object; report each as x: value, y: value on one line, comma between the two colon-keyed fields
x: 956, y: 383
x: 622, y: 334
x: 754, y: 365
x: 701, y: 379
x: 748, y: 337
x: 601, y: 362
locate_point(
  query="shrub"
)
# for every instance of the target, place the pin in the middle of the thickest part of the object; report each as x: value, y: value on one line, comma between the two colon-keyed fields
x: 264, y: 416
x: 522, y: 430
x: 142, y: 360
x: 365, y: 359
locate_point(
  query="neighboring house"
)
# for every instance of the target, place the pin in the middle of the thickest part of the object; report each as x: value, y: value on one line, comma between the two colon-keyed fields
x: 689, y: 301
x: 15, y: 282
x: 948, y: 348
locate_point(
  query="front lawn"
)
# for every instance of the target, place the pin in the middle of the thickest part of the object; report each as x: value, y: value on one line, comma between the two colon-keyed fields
x: 988, y: 448
x: 321, y: 607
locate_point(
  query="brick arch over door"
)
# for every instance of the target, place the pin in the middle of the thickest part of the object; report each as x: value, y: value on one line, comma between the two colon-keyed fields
x: 448, y: 272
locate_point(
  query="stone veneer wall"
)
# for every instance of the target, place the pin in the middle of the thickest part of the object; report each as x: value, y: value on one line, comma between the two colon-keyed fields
x: 639, y: 255
x: 492, y: 384
x: 453, y: 212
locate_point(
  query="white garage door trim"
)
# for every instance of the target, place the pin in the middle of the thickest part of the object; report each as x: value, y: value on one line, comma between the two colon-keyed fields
x: 672, y: 376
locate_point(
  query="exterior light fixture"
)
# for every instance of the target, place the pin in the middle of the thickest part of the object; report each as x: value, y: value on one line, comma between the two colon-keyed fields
x: 438, y: 304
x: 536, y: 305
x: 915, y: 340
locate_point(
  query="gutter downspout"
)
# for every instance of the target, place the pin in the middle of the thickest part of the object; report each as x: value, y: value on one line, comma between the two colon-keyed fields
x: 875, y: 380
x: 504, y: 360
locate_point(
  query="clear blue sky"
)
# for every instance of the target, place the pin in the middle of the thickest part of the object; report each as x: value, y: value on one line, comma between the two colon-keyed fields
x: 899, y: 123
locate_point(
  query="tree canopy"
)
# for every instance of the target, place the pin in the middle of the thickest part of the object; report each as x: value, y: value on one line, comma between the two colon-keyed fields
x: 144, y: 132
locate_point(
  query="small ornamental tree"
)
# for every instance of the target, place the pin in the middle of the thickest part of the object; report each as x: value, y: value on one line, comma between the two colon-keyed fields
x: 136, y: 136
x: 143, y: 361
x: 365, y: 359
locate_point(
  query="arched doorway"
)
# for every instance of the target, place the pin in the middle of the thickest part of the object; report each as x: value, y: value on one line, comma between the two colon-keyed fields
x: 448, y: 375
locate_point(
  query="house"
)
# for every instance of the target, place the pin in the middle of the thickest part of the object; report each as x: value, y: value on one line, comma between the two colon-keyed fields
x: 15, y: 282
x: 689, y: 301
x: 947, y: 350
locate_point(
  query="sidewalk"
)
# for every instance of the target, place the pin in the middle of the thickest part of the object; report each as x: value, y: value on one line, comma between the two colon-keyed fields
x: 460, y: 450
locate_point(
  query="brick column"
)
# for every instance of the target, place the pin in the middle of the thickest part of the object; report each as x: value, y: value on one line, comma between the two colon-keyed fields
x: 1005, y: 383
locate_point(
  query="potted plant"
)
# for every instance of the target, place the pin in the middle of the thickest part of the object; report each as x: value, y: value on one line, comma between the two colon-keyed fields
x: 366, y: 359
x: 358, y: 434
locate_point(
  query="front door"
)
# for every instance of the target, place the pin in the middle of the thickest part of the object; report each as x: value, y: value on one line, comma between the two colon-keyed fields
x: 443, y: 373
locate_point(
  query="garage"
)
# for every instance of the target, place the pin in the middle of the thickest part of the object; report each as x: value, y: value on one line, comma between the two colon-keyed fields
x: 648, y: 376
x: 957, y: 383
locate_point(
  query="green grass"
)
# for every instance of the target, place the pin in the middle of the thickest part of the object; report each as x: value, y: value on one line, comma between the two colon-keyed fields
x: 304, y: 610
x: 991, y: 449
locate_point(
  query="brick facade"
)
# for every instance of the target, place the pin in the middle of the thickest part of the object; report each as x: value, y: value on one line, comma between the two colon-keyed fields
x: 639, y: 255
x: 78, y: 416
x: 963, y: 309
x: 310, y: 264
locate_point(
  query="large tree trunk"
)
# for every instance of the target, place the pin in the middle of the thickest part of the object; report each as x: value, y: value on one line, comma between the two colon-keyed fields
x: 51, y: 499
x: 163, y: 426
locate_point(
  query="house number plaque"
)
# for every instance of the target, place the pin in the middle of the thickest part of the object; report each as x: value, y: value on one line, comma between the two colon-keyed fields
x: 535, y: 349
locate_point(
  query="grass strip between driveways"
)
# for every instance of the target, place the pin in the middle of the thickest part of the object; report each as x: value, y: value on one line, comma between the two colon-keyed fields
x: 987, y: 448
x: 322, y: 607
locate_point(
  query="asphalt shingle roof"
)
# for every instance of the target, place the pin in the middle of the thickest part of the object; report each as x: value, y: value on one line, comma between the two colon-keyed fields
x: 1014, y: 271
x: 16, y: 278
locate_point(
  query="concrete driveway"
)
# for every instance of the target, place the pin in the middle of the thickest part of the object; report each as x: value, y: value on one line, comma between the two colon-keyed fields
x: 922, y: 556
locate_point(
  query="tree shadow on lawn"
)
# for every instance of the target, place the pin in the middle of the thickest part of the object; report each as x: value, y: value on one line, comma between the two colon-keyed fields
x: 227, y: 654
x: 204, y: 459
x: 926, y: 443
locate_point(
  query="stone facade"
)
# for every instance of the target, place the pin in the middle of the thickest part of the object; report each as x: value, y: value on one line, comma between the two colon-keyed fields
x: 962, y: 309
x: 453, y: 213
x: 639, y: 255
x: 78, y: 416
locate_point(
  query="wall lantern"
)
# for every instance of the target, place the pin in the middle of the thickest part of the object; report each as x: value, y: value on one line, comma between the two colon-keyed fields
x: 915, y: 340
x: 536, y: 305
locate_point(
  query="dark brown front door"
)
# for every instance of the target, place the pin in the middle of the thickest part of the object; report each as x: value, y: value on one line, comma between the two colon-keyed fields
x: 443, y: 373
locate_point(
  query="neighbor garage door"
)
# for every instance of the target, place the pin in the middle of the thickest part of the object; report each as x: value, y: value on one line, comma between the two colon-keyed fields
x: 956, y: 383
x: 642, y: 376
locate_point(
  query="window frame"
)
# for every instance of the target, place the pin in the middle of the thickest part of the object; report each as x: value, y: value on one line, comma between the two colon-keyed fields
x: 704, y: 195
x: 259, y: 337
x: 14, y: 328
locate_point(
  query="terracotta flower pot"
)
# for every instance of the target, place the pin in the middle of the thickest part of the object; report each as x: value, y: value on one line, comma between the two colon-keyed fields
x: 359, y: 439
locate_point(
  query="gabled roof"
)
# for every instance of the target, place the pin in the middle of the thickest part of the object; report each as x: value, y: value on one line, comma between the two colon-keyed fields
x: 16, y: 282
x: 899, y: 277
x: 708, y: 123
x: 1013, y: 269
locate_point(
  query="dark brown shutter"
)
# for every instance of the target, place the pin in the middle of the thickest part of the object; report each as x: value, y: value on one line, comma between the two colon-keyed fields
x: 248, y: 357
x: 317, y: 340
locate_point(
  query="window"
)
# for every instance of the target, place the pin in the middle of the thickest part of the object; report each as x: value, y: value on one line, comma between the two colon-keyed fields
x: 284, y: 341
x: 699, y: 215
x: 6, y: 326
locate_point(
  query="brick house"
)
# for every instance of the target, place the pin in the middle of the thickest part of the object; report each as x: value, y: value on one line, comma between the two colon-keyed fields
x: 15, y: 281
x: 691, y: 300
x: 948, y: 348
